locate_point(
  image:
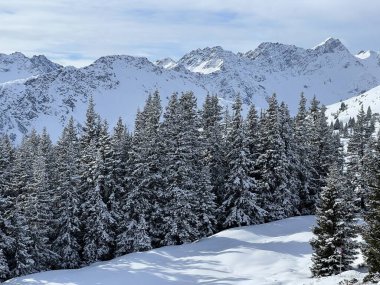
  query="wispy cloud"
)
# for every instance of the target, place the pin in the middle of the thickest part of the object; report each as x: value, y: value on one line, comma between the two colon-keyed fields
x: 77, y: 32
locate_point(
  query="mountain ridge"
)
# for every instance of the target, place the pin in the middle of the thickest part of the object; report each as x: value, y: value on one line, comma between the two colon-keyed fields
x: 35, y: 91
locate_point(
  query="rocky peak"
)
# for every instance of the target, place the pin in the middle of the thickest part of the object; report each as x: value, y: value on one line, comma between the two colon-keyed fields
x: 330, y: 45
x: 166, y: 63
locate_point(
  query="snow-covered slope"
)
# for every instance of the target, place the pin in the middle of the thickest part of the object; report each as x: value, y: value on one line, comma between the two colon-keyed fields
x: 370, y: 98
x: 119, y: 85
x: 35, y: 92
x: 17, y: 66
x: 273, y: 253
x: 328, y: 71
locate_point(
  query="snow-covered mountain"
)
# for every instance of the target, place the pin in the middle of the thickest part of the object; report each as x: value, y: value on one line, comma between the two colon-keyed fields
x: 352, y: 106
x: 17, y: 66
x: 273, y: 253
x: 34, y: 92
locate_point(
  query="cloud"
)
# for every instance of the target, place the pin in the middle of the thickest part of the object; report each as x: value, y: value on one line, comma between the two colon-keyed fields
x: 77, y: 32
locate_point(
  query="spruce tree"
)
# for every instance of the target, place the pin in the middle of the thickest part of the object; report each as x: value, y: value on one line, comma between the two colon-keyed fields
x: 189, y: 209
x: 371, y: 249
x: 334, y: 245
x: 97, y: 223
x: 144, y: 182
x: 304, y: 167
x: 66, y: 243
x: 214, y: 144
x: 273, y: 178
x: 240, y: 206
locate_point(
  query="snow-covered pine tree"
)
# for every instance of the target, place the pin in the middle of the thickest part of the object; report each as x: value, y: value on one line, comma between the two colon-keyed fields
x: 21, y: 261
x: 304, y: 169
x: 356, y: 149
x: 19, y: 194
x: 144, y: 182
x: 6, y: 205
x: 190, y: 207
x: 97, y: 222
x: 66, y: 243
x: 240, y: 206
x: 290, y: 193
x: 371, y: 249
x: 4, y: 268
x: 334, y: 245
x: 272, y: 163
x: 121, y: 142
x: 322, y: 152
x: 39, y: 207
x: 214, y: 145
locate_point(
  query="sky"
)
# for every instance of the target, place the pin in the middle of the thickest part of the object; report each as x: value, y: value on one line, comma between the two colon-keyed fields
x: 77, y: 32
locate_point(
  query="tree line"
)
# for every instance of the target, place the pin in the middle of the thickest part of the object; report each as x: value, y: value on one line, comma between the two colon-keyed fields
x: 183, y: 174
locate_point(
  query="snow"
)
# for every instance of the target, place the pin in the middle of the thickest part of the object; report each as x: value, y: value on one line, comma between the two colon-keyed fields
x: 273, y: 253
x: 120, y: 84
x: 329, y: 39
x: 370, y: 98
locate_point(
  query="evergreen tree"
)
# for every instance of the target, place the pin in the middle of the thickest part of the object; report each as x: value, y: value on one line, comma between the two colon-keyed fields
x: 240, y: 206
x: 334, y: 245
x: 39, y: 205
x: 356, y: 150
x: 190, y: 207
x: 97, y: 223
x: 214, y: 145
x: 144, y: 182
x: 304, y: 169
x: 66, y: 243
x: 371, y: 249
x: 120, y: 143
x: 273, y: 165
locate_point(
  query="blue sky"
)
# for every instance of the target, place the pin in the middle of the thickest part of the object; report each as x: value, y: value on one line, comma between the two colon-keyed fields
x: 76, y: 32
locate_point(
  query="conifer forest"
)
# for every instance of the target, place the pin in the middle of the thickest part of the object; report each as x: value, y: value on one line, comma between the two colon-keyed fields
x: 185, y: 173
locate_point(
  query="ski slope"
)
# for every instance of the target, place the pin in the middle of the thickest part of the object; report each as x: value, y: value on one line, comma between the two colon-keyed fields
x: 274, y: 253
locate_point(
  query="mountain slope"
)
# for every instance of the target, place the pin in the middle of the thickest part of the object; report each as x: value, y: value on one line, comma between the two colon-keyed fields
x: 273, y: 253
x: 35, y: 92
x: 370, y: 98
x: 18, y: 66
x: 119, y: 85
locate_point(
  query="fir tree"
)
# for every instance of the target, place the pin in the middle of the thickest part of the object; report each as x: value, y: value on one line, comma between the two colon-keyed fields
x: 66, y: 243
x: 188, y: 213
x: 272, y: 162
x: 144, y: 182
x: 371, y: 249
x: 334, y: 245
x: 240, y: 206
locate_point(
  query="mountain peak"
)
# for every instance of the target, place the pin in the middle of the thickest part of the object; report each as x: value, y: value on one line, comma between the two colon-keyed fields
x: 166, y: 63
x: 269, y: 49
x: 330, y: 45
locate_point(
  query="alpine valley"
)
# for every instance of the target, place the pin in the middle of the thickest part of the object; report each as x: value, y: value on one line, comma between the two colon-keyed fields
x: 37, y: 93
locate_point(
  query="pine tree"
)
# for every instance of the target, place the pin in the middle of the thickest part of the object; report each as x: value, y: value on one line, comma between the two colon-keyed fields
x: 39, y: 205
x: 144, y: 182
x: 6, y: 205
x: 240, y: 206
x: 334, y: 245
x: 371, y: 249
x: 189, y: 209
x: 304, y: 169
x: 272, y: 162
x: 356, y: 149
x: 21, y: 262
x: 97, y: 223
x: 66, y: 243
x: 215, y: 147
x: 4, y: 268
x: 120, y: 143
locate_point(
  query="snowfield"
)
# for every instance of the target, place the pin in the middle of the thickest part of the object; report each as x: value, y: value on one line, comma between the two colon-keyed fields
x: 274, y: 253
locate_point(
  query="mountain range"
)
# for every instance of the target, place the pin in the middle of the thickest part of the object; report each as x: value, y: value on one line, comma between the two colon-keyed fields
x: 35, y: 92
